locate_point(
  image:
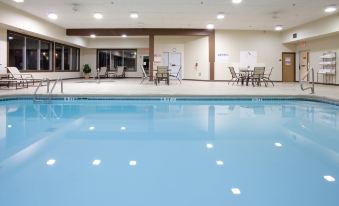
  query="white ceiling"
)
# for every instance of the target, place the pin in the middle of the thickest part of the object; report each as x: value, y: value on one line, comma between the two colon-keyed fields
x: 251, y: 14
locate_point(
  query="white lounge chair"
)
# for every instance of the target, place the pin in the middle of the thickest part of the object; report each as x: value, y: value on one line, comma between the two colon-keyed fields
x: 16, y: 74
x: 103, y: 72
x: 120, y: 73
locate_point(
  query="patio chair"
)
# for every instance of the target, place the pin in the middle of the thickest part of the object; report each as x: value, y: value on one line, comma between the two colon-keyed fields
x: 17, y: 75
x: 144, y: 75
x: 257, y: 76
x: 267, y: 77
x: 120, y: 73
x: 102, y: 72
x: 162, y: 75
x: 177, y: 75
x: 236, y: 77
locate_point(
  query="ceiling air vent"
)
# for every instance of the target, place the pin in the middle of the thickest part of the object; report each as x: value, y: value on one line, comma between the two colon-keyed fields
x: 295, y: 35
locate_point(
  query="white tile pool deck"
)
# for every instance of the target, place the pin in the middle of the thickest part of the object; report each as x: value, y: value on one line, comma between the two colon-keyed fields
x: 132, y: 87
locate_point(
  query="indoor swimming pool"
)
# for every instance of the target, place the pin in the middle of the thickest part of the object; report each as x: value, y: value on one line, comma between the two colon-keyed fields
x: 169, y: 152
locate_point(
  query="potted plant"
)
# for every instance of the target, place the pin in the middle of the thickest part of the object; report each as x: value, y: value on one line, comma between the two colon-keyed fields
x: 87, y: 70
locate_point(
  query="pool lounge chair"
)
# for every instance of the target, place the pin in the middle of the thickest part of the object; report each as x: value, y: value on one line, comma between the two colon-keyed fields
x: 13, y: 82
x: 120, y: 73
x: 102, y: 72
x: 17, y: 75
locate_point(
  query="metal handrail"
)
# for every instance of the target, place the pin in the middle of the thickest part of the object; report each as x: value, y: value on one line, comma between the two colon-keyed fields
x: 61, y: 86
x: 302, y: 80
x: 40, y: 84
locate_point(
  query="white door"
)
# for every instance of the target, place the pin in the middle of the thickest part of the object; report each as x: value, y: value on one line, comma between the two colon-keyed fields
x: 173, y: 61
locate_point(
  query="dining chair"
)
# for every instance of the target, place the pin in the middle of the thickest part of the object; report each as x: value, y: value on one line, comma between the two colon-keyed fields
x: 236, y: 77
x: 257, y: 76
x: 267, y: 77
x: 162, y: 75
x: 177, y: 75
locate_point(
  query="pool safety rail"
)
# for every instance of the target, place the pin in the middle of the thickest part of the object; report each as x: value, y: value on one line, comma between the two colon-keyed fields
x: 308, y: 78
x: 49, y: 91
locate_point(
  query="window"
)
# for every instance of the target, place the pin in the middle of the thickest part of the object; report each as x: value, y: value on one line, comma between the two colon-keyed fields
x: 75, y: 59
x: 45, y: 55
x: 32, y: 46
x: 58, y: 57
x: 34, y: 54
x: 113, y: 58
x: 16, y: 47
x: 67, y: 59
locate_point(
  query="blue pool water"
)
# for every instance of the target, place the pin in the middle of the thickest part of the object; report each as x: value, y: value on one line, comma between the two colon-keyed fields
x: 169, y: 153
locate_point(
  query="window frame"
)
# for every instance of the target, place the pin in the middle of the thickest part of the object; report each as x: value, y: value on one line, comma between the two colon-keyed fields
x: 123, y: 57
x: 53, y: 62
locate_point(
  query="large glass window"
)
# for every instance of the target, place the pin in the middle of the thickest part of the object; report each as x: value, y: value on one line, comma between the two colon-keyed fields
x: 75, y: 59
x: 67, y: 59
x: 45, y: 55
x: 16, y: 47
x: 58, y: 57
x: 130, y: 60
x: 30, y: 53
x: 114, y: 58
x: 32, y: 46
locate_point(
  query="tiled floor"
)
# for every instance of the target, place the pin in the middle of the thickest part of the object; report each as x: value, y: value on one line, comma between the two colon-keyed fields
x: 132, y: 87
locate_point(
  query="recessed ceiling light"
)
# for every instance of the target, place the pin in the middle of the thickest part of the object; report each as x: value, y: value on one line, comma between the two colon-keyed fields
x: 96, y: 162
x: 330, y: 9
x: 209, y: 146
x: 236, y: 1
x: 329, y: 178
x: 93, y: 36
x: 277, y: 144
x: 221, y: 16
x: 98, y: 15
x: 124, y: 36
x: 210, y: 26
x: 236, y: 191
x: 51, y: 162
x: 19, y: 1
x: 10, y: 38
x: 91, y: 128
x: 134, y: 15
x: 132, y: 163
x: 52, y: 16
x: 278, y: 28
x: 9, y: 126
x: 220, y: 162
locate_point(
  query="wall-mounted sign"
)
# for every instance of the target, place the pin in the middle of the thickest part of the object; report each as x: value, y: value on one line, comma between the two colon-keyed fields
x: 157, y: 58
x: 288, y: 61
x: 222, y: 57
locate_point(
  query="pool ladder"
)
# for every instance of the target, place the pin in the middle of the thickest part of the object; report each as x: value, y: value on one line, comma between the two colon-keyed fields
x: 49, y: 91
x: 305, y: 79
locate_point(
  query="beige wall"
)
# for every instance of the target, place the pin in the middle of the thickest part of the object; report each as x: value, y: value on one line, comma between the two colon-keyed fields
x: 316, y: 48
x: 267, y: 45
x: 20, y: 21
x: 197, y: 51
x: 316, y: 29
x: 3, y: 49
x: 193, y: 49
